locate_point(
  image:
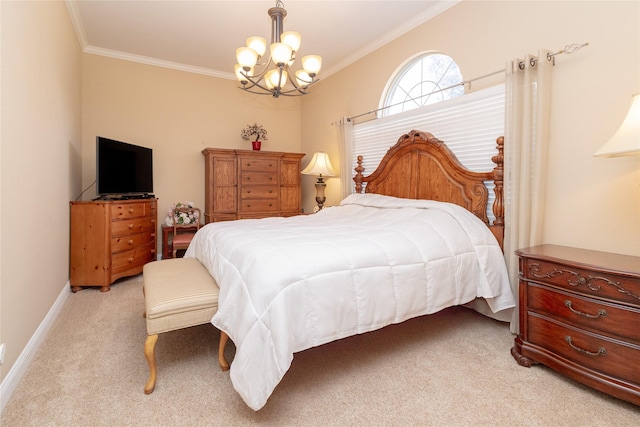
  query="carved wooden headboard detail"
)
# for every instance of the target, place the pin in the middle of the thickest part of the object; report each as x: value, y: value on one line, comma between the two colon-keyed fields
x: 420, y: 166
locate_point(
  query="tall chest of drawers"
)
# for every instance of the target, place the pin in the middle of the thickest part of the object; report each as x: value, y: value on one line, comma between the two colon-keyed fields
x: 580, y: 315
x: 243, y: 184
x: 111, y: 240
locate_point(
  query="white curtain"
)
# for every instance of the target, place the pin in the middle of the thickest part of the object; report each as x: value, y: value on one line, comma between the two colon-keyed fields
x: 344, y: 127
x: 528, y: 85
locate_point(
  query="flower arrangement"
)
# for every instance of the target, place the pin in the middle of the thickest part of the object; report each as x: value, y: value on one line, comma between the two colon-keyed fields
x: 185, y: 217
x: 254, y: 129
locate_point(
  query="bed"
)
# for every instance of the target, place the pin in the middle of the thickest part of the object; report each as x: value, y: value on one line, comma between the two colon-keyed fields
x: 414, y: 239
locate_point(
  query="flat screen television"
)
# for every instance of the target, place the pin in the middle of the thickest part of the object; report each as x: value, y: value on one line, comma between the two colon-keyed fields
x: 122, y: 169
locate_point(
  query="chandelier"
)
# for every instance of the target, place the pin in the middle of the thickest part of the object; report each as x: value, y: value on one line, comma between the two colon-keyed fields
x: 275, y: 77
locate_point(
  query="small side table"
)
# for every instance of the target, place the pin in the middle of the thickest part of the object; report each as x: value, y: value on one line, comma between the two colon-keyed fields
x: 167, y: 240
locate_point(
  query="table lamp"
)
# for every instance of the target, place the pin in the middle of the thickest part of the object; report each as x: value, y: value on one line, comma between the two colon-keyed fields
x: 626, y: 141
x: 320, y: 165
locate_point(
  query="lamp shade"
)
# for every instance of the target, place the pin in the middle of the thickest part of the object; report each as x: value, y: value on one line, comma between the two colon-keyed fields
x: 626, y: 141
x: 320, y: 165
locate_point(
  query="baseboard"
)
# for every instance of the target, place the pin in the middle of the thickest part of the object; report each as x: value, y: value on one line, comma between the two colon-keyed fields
x: 18, y: 369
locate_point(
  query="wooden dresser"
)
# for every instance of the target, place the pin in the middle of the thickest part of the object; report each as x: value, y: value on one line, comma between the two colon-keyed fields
x: 580, y: 315
x: 110, y: 240
x: 251, y: 184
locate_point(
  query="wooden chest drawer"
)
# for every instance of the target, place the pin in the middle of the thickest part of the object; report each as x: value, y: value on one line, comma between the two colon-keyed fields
x: 252, y: 164
x: 593, y: 351
x: 258, y: 205
x: 259, y: 192
x: 120, y: 228
x: 133, y: 259
x: 258, y: 178
x: 597, y: 316
x: 587, y: 282
x: 128, y: 210
x: 124, y: 243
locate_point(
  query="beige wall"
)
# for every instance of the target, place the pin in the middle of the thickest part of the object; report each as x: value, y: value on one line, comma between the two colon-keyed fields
x: 591, y: 202
x: 177, y: 114
x: 40, y: 167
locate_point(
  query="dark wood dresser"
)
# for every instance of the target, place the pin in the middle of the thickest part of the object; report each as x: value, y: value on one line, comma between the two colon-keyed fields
x: 580, y: 315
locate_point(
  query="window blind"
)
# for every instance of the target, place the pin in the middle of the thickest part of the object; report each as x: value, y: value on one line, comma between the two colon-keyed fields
x: 469, y: 125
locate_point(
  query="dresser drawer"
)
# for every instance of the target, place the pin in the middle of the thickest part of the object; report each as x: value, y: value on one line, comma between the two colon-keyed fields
x: 124, y: 243
x: 258, y: 178
x: 584, y: 312
x: 611, y: 357
x: 133, y: 259
x: 264, y: 165
x: 258, y: 206
x: 120, y: 228
x: 259, y: 192
x: 128, y: 210
x: 612, y: 287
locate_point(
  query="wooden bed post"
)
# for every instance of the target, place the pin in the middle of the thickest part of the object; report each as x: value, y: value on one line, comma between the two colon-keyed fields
x: 358, y: 178
x: 498, y: 205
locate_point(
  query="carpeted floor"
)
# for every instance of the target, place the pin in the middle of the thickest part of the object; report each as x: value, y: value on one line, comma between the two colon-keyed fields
x: 448, y: 369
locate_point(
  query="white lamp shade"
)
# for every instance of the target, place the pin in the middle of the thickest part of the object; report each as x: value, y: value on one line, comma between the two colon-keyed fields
x: 291, y: 38
x: 312, y: 64
x: 239, y: 70
x: 626, y: 141
x: 259, y: 44
x: 246, y: 57
x: 302, y: 78
x: 280, y: 53
x: 320, y: 165
x: 271, y: 79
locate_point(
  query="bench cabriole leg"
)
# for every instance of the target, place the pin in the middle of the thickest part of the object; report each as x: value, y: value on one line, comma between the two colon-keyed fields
x: 150, y: 354
x: 224, y: 365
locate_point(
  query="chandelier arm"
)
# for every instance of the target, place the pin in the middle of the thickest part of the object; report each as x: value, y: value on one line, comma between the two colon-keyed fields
x: 256, y: 83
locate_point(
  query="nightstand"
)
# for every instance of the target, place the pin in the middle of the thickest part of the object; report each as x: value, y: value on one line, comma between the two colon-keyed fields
x: 580, y: 315
x: 167, y: 242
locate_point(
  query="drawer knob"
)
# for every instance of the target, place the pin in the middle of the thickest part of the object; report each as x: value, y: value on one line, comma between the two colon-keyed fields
x: 130, y: 226
x: 601, y: 312
x: 130, y: 210
x: 601, y: 350
x: 130, y: 242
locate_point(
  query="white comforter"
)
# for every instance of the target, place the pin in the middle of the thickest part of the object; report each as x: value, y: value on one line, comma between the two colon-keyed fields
x: 288, y: 284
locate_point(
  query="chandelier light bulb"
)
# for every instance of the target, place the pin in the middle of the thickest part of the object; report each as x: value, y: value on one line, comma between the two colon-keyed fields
x: 302, y: 78
x: 292, y: 39
x: 259, y: 44
x: 247, y: 57
x: 242, y: 78
x: 312, y: 64
x: 271, y: 79
x: 280, y: 53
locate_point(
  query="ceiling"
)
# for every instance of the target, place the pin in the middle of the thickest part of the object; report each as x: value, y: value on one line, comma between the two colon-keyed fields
x: 202, y: 36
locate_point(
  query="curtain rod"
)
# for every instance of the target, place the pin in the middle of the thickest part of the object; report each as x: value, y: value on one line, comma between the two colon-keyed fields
x: 570, y: 48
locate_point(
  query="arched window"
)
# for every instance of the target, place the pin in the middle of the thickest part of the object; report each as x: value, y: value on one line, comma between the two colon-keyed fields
x: 426, y: 79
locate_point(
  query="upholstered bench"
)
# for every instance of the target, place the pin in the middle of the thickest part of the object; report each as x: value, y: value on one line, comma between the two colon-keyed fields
x: 178, y: 293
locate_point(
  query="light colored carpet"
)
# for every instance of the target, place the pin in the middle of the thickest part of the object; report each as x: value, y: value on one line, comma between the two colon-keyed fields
x: 448, y: 369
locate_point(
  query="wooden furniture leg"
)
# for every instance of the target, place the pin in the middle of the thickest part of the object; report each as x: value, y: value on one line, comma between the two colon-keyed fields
x: 150, y: 354
x: 224, y: 365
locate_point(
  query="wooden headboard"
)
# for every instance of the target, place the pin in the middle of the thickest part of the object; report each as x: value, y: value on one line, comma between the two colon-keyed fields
x: 420, y: 166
